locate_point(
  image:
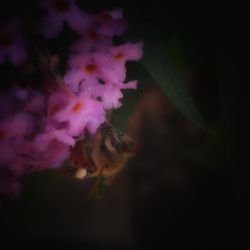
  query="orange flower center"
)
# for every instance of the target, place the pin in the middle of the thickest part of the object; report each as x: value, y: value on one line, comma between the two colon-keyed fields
x: 90, y: 68
x: 77, y: 107
x: 55, y: 109
x: 118, y: 57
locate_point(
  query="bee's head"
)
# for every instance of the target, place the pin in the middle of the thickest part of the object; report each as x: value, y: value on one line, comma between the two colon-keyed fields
x: 110, y: 150
x: 115, y: 141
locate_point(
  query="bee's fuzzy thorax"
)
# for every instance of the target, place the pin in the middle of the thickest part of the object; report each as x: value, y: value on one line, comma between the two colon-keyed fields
x: 109, y: 149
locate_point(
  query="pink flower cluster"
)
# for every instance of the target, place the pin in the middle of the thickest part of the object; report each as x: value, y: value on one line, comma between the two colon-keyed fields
x: 37, y: 130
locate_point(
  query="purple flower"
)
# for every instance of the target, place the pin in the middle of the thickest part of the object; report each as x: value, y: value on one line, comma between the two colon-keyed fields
x: 35, y: 104
x: 127, y: 52
x: 60, y: 11
x: 38, y: 130
x: 101, y: 74
x: 110, y: 23
x: 91, y: 42
x: 107, y: 66
x: 12, y: 129
x: 83, y: 74
x: 113, y: 66
x: 111, y: 93
x: 43, y: 152
x: 82, y: 112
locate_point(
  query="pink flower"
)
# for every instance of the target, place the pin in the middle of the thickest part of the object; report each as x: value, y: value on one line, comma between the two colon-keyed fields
x: 59, y: 130
x: 48, y: 152
x: 35, y: 104
x: 91, y: 42
x: 110, y: 23
x: 17, y: 125
x: 111, y: 94
x: 60, y: 11
x: 59, y: 152
x: 83, y: 73
x: 127, y: 52
x: 57, y: 101
x: 86, y: 70
x: 18, y: 166
x: 101, y: 73
x: 6, y: 104
x: 12, y: 129
x: 12, y: 43
x: 60, y: 134
x: 110, y: 70
x: 119, y: 56
x: 82, y: 112
x: 7, y: 152
x: 43, y: 152
x: 112, y: 66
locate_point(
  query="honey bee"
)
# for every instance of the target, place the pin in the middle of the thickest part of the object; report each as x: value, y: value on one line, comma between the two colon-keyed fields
x: 103, y: 154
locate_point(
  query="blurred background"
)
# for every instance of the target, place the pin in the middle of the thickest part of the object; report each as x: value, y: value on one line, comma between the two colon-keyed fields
x: 180, y: 190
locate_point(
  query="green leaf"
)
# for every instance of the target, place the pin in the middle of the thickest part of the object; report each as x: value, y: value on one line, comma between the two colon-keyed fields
x: 158, y: 62
x: 101, y: 186
x: 162, y: 65
x: 164, y: 62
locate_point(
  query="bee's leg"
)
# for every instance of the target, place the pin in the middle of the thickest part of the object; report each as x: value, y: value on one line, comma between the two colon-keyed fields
x: 90, y: 166
x: 69, y: 170
x: 80, y: 173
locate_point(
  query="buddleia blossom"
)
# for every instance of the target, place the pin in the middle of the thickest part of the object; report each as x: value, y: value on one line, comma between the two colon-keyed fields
x: 90, y: 42
x: 26, y: 144
x: 110, y: 23
x: 80, y: 113
x: 38, y: 129
x: 59, y: 12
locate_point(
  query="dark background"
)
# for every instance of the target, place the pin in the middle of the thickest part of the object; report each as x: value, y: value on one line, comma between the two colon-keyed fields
x: 181, y: 189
